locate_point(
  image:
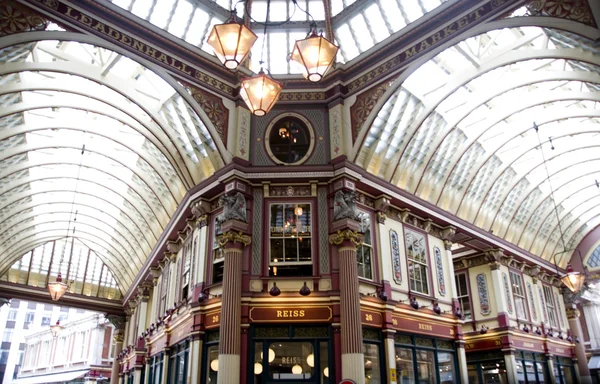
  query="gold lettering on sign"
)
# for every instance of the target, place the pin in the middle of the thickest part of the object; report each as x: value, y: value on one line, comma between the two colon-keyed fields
x: 560, y: 350
x: 215, y: 319
x: 368, y: 317
x: 449, y: 30
x: 470, y: 345
x: 294, y: 313
x: 498, y: 342
x: 394, y: 322
x: 128, y: 41
x: 529, y: 345
x: 425, y: 327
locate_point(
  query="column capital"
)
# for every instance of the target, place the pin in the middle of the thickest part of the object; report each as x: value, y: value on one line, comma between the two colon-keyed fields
x: 447, y: 245
x: 118, y: 336
x: 573, y: 313
x: 346, y: 235
x: 448, y: 233
x: 202, y: 221
x: 117, y: 321
x: 233, y: 237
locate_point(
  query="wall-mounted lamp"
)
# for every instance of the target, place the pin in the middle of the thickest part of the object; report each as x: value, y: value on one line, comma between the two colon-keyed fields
x: 379, y: 293
x: 538, y: 331
x: 436, y: 308
x: 569, y: 339
x: 550, y: 333
x: 414, y: 303
x: 304, y: 290
x: 274, y: 291
x: 458, y: 313
x: 525, y: 328
x: 204, y: 295
x: 560, y: 335
x: 484, y: 329
x: 577, y: 339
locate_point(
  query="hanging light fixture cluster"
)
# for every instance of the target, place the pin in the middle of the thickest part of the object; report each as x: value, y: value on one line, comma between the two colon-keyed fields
x: 232, y: 42
x: 58, y: 288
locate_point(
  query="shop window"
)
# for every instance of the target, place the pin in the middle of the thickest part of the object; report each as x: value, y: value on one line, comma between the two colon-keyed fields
x: 290, y: 140
x: 463, y: 295
x: 563, y: 370
x: 156, y: 366
x: 290, y: 354
x: 531, y: 367
x: 218, y: 256
x: 178, y: 363
x: 290, y: 236
x: 417, y: 258
x: 519, y: 295
x: 486, y: 367
x: 7, y: 335
x: 211, y: 359
x: 425, y: 360
x: 550, y: 307
x: 364, y: 252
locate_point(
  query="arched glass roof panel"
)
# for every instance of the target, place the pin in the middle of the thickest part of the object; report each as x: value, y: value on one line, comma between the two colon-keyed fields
x: 89, y: 275
x: 471, y: 148
x: 145, y: 146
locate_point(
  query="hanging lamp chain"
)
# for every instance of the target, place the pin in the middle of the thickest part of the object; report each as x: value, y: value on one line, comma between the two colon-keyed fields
x: 71, y: 215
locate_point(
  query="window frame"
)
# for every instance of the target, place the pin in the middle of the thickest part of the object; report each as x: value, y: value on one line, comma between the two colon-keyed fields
x: 313, y: 236
x: 372, y: 246
x: 214, y: 249
x: 551, y: 310
x: 186, y: 256
x: 430, y: 291
x: 521, y: 297
x: 465, y: 273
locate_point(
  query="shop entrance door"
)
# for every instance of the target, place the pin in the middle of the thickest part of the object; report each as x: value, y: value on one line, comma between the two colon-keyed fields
x: 290, y: 360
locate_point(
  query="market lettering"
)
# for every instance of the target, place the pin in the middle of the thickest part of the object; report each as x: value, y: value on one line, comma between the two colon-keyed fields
x: 425, y: 327
x: 128, y: 41
x: 444, y: 33
x: 294, y: 313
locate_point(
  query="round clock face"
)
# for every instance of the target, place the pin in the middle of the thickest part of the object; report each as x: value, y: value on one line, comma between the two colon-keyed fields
x: 290, y: 140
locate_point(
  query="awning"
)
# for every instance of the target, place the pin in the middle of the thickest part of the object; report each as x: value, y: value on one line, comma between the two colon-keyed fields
x: 51, y: 378
x: 594, y: 362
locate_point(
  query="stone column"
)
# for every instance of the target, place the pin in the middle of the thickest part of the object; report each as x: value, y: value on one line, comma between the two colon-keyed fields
x: 511, y: 366
x: 576, y: 332
x: 347, y: 239
x: 390, y: 355
x: 550, y: 360
x: 195, y: 356
x: 233, y: 243
x: 118, y: 339
x: 463, y: 371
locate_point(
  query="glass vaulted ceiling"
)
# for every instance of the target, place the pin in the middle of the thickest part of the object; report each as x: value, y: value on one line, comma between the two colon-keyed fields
x: 459, y: 133
x: 145, y: 147
x: 357, y: 24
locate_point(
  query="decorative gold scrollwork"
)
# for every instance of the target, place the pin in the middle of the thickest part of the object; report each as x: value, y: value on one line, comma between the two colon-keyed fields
x: 233, y: 237
x: 340, y: 236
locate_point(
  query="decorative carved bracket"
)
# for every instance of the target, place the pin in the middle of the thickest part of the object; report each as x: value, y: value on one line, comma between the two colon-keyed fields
x: 233, y: 237
x: 347, y: 234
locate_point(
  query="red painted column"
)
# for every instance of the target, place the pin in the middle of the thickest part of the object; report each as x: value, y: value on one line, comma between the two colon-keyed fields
x: 347, y: 240
x: 233, y: 243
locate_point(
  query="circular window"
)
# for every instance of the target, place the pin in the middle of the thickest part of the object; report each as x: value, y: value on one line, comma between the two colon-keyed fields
x: 290, y: 139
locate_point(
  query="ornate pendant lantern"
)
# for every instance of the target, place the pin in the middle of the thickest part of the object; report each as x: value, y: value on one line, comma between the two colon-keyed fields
x: 573, y: 280
x: 231, y: 41
x: 314, y: 55
x: 57, y: 289
x: 56, y: 328
x: 260, y: 93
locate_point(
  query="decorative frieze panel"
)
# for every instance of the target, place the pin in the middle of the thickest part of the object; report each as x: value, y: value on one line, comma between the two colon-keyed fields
x: 290, y: 191
x: 509, y: 305
x: 482, y: 290
x: 365, y: 103
x: 16, y: 18
x: 439, y: 267
x: 215, y: 110
x: 395, y: 247
x: 577, y: 10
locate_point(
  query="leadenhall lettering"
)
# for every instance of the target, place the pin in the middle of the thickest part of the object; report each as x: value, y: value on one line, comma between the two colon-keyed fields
x: 128, y: 41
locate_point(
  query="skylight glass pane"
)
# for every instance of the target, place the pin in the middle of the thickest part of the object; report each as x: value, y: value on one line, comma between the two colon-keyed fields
x: 361, y: 32
x: 195, y: 34
x: 141, y: 8
x: 161, y: 13
x: 180, y: 19
x: 316, y: 9
x: 376, y: 22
